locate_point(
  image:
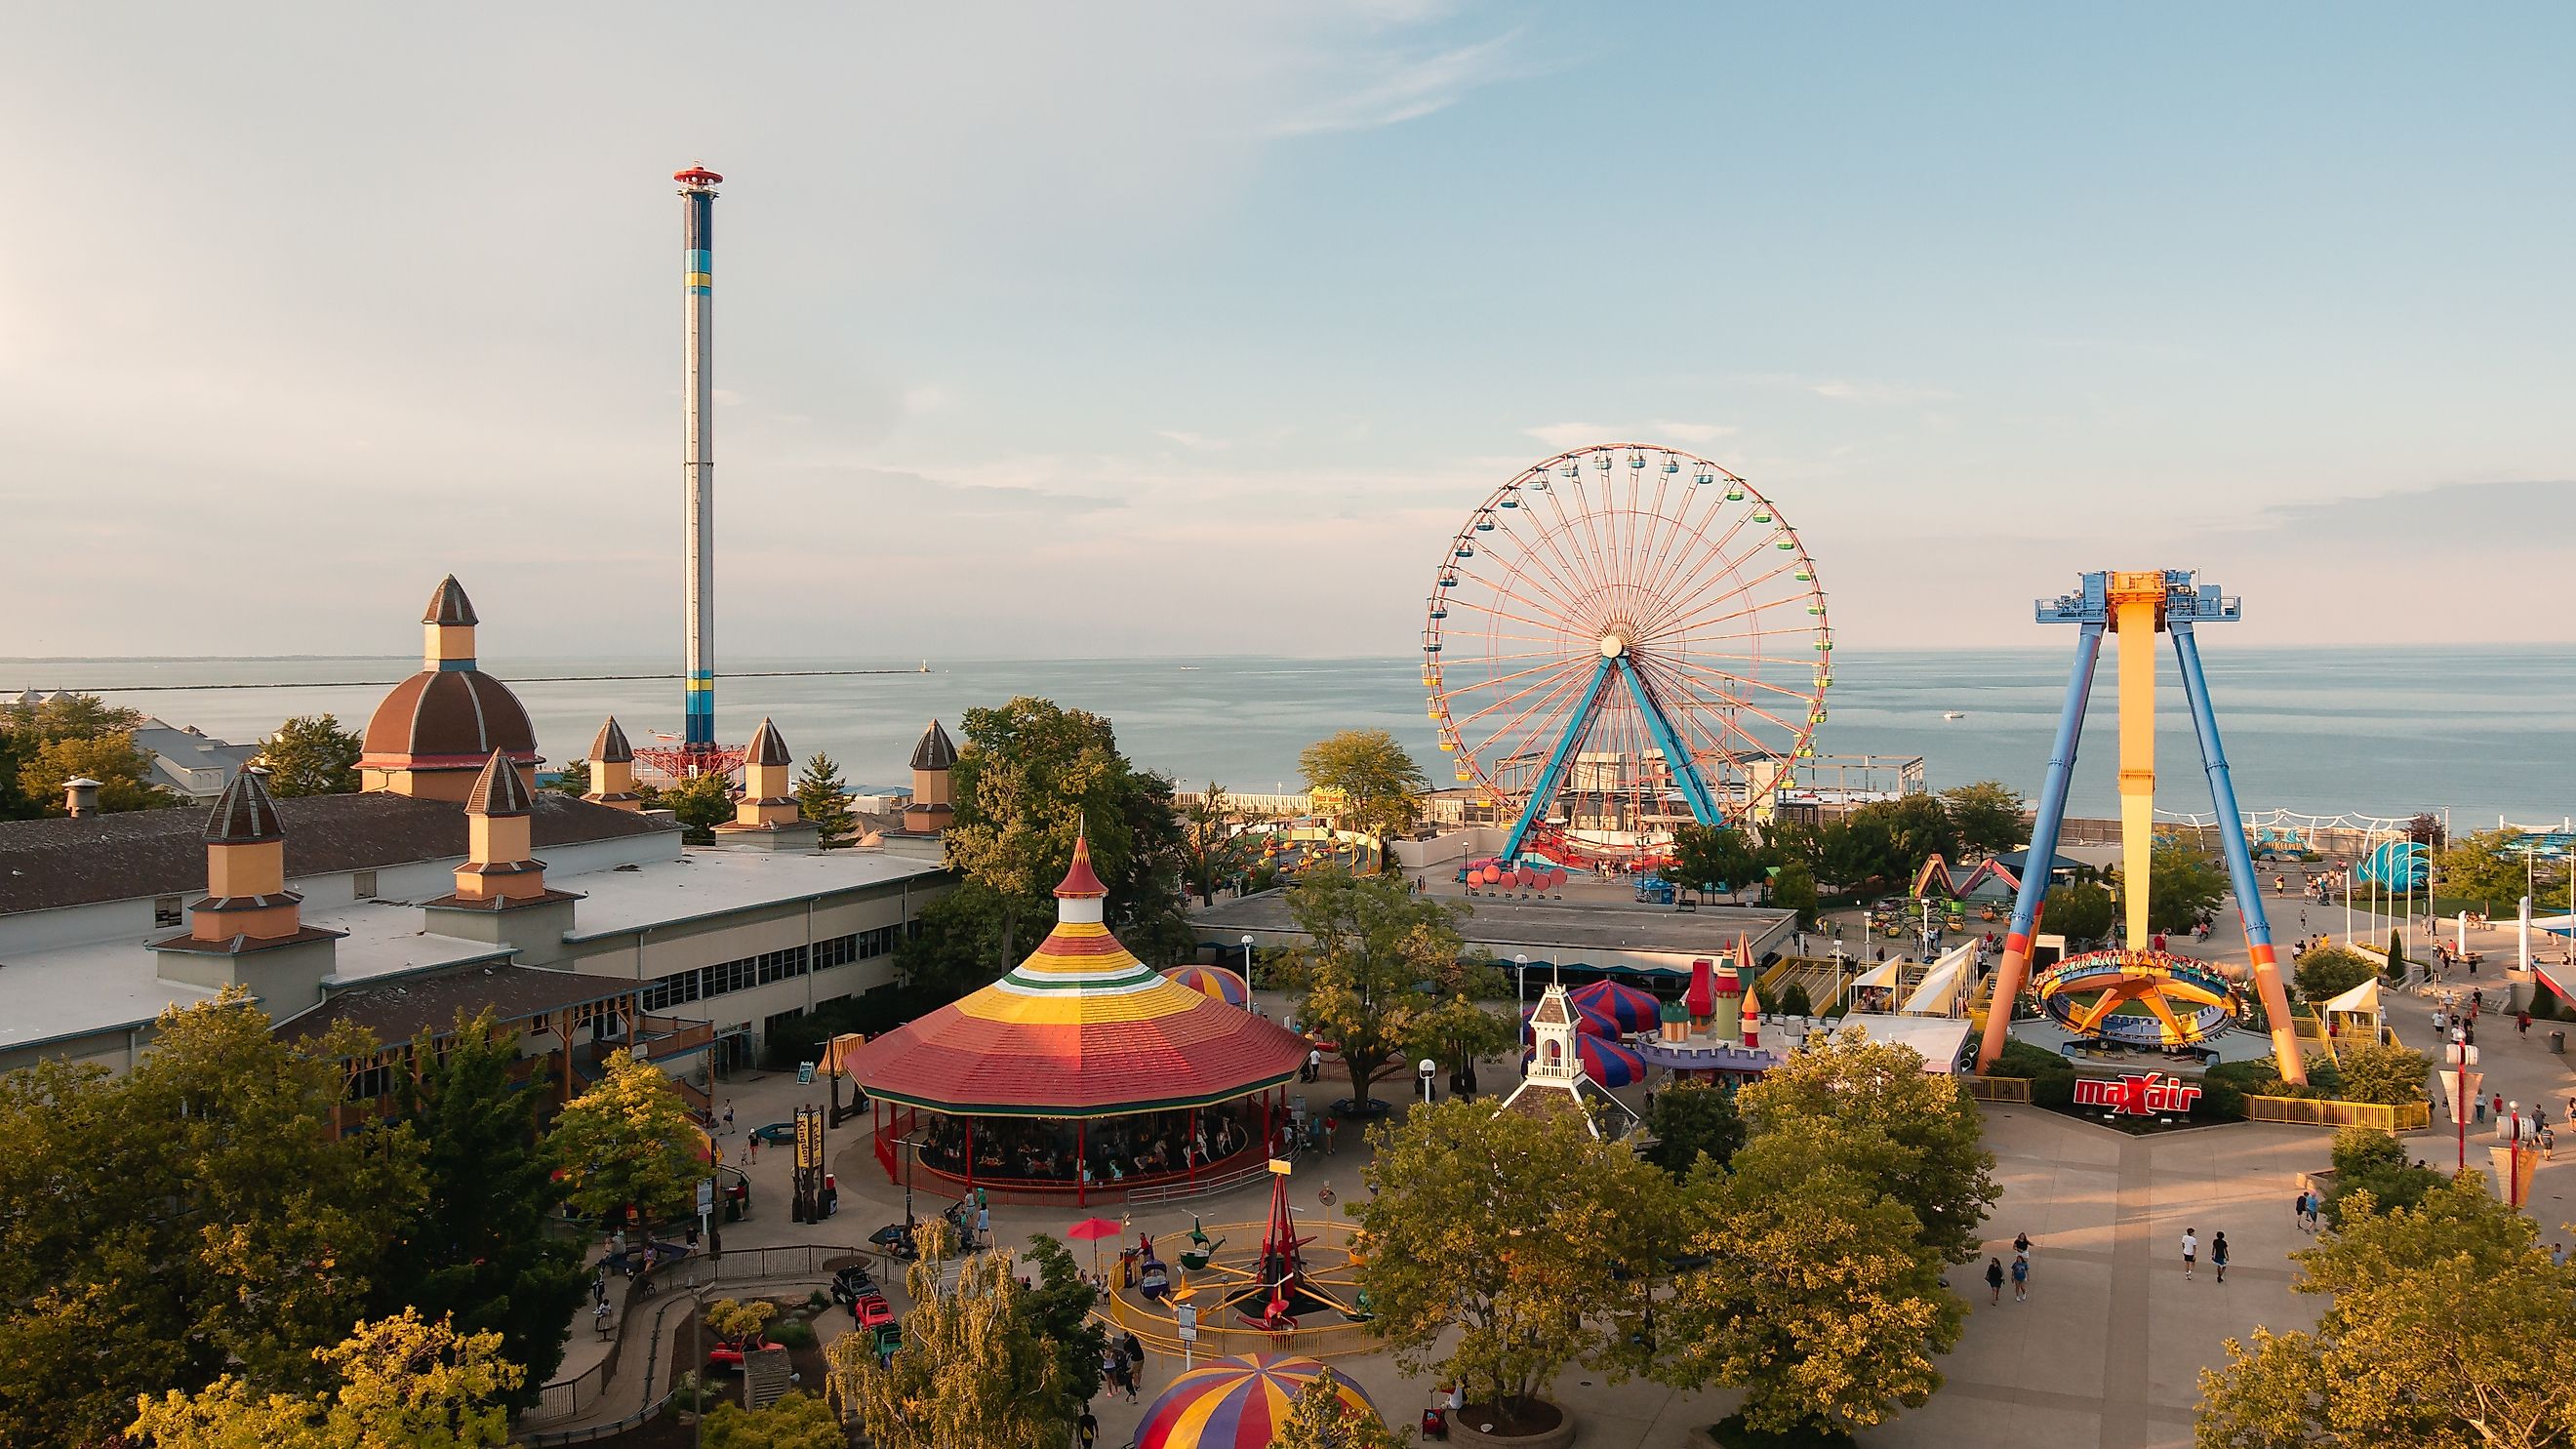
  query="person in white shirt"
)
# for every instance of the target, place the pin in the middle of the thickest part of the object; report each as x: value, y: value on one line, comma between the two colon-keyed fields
x: 2190, y: 1250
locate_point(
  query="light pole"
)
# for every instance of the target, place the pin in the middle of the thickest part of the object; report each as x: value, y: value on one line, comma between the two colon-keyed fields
x: 1426, y: 1070
x: 1247, y: 973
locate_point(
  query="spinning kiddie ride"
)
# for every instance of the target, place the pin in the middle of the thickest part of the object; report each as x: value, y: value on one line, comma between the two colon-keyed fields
x: 1272, y: 1285
x: 2138, y: 606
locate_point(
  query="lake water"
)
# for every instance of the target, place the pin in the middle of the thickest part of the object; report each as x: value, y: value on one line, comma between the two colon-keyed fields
x: 2482, y: 731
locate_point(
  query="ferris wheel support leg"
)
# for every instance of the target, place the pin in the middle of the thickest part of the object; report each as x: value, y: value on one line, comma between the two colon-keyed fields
x: 1543, y: 791
x: 1677, y: 756
x: 2240, y: 860
x: 2045, y: 823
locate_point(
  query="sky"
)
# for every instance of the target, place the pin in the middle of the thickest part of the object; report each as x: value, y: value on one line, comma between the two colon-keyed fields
x: 1049, y: 330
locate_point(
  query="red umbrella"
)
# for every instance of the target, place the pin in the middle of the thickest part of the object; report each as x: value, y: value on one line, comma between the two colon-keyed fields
x: 1092, y: 1230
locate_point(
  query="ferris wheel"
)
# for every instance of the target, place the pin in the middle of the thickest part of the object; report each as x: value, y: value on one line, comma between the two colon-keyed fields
x: 1622, y: 639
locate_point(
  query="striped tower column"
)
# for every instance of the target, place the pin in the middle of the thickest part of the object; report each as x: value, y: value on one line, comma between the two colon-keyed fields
x: 698, y: 211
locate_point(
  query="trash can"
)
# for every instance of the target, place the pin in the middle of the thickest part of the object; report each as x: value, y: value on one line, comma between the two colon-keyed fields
x: 2558, y: 1043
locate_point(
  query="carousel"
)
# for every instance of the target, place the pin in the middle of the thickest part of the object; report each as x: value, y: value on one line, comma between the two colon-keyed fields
x: 1083, y: 1073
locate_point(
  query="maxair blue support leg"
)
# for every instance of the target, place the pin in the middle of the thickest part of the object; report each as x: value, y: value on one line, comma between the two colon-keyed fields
x: 2050, y: 817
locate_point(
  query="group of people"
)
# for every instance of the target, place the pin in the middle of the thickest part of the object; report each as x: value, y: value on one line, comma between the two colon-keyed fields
x: 1155, y: 1144
x: 2019, y: 1272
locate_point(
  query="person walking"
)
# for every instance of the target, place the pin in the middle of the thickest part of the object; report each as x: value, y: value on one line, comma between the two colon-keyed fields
x: 2522, y: 1023
x: 2299, y: 1210
x: 2021, y: 1244
x: 983, y: 1227
x: 1086, y: 1429
x: 2218, y: 1254
x: 1133, y: 1349
x: 2190, y: 1251
x: 2558, y: 1255
x: 2021, y: 1277
x: 1995, y: 1279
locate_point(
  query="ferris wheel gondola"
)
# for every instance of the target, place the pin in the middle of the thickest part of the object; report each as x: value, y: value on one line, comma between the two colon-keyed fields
x: 1619, y: 640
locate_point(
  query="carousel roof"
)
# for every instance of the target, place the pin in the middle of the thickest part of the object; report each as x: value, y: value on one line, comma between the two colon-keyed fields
x: 1079, y: 1029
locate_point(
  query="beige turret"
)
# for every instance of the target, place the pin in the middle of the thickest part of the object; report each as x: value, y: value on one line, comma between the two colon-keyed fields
x: 249, y: 929
x: 500, y: 860
x: 932, y: 758
x: 612, y: 769
x: 767, y: 815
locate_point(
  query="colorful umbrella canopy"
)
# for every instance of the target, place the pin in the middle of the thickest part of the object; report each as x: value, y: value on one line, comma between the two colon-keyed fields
x: 1606, y: 1062
x: 1237, y: 1403
x: 1634, y: 1010
x: 1589, y: 1020
x: 1214, y: 982
x: 1090, y: 1228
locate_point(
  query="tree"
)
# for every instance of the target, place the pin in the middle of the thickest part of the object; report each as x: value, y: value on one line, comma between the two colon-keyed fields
x: 1370, y: 942
x: 823, y: 799
x: 1906, y: 1133
x: 2446, y: 1328
x: 1717, y: 855
x: 2374, y: 1163
x: 1058, y: 1310
x: 1888, y: 840
x: 2182, y: 887
x: 2080, y: 911
x: 1794, y: 1000
x: 1365, y: 780
x: 193, y: 1217
x: 1211, y: 840
x: 798, y: 1421
x: 2388, y: 1075
x: 1987, y: 815
x: 1794, y: 889
x: 123, y: 772
x: 478, y: 1251
x: 2483, y: 867
x: 26, y: 728
x: 630, y: 1141
x: 1320, y: 1418
x: 311, y: 755
x: 2329, y: 971
x: 958, y: 941
x: 700, y: 803
x: 1029, y: 777
x: 1820, y: 1298
x: 1692, y: 1120
x: 408, y: 1381
x: 738, y: 1322
x: 970, y: 1374
x: 1554, y: 1270
x: 573, y: 779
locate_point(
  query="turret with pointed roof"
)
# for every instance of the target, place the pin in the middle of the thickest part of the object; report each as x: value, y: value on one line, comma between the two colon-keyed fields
x: 249, y: 929
x: 929, y: 811
x: 243, y: 814
x: 767, y: 813
x: 612, y: 769
x: 433, y: 732
x: 500, y: 864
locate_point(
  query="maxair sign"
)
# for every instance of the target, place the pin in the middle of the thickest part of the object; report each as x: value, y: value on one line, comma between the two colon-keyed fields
x: 2138, y: 1096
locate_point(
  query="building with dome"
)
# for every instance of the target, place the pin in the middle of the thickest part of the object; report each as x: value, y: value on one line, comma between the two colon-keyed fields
x: 450, y: 882
x: 1083, y: 1073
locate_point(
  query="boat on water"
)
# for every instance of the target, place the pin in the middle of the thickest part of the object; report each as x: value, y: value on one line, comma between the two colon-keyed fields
x: 1954, y: 714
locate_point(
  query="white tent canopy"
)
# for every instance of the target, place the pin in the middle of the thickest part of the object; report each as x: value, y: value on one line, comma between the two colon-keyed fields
x: 2362, y: 1000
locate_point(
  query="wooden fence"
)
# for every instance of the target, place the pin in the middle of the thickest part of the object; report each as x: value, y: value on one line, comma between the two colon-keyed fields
x: 2311, y: 1112
x: 1998, y: 1089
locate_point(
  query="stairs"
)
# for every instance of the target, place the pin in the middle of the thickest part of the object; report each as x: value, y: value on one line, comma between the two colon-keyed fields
x: 765, y: 1377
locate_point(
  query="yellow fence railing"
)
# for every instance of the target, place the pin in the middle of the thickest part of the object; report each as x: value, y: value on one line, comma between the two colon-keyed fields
x: 2310, y: 1112
x: 1999, y: 1089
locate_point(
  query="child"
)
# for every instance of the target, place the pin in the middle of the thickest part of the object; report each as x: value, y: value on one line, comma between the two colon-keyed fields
x: 2218, y: 1255
x: 1995, y: 1279
x: 2021, y: 1277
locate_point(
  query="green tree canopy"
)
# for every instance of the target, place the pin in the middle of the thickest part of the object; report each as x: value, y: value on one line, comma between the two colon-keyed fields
x: 1718, y: 855
x: 1057, y: 1309
x: 2327, y: 972
x: 1553, y: 1271
x: 312, y: 755
x: 1794, y: 889
x: 2183, y: 885
x: 402, y: 1381
x: 1691, y: 1120
x: 572, y: 779
x: 1987, y: 816
x: 191, y: 1218
x: 1322, y: 1419
x: 122, y: 769
x: 2388, y: 1075
x: 1371, y: 942
x: 25, y: 729
x: 479, y: 1252
x: 798, y: 1421
x: 2482, y: 867
x: 1030, y: 776
x: 2446, y: 1327
x: 1211, y: 844
x: 700, y: 803
x: 822, y: 798
x: 1820, y: 1300
x: 630, y: 1141
x: 2374, y: 1165
x: 972, y: 1373
x: 1907, y: 1133
x: 1368, y: 780
x: 2080, y: 911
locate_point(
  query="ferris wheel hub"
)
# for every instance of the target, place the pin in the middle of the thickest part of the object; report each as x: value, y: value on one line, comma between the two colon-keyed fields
x: 1615, y: 643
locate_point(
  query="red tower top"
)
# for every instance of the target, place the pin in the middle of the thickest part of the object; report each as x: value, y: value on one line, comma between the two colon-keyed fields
x: 696, y: 176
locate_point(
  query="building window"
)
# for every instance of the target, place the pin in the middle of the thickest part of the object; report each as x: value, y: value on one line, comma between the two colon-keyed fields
x: 165, y: 912
x: 362, y: 884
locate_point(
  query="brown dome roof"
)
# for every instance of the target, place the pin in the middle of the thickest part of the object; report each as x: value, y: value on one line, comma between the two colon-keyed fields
x: 448, y: 719
x: 935, y: 752
x: 499, y: 790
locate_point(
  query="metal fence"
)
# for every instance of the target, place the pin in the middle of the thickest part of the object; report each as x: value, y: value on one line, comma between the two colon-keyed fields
x: 1216, y: 1339
x: 1204, y: 1187
x: 1998, y: 1089
x: 2311, y: 1112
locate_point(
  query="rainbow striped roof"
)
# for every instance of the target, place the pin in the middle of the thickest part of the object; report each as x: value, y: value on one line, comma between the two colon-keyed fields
x: 1079, y: 1029
x: 1239, y: 1403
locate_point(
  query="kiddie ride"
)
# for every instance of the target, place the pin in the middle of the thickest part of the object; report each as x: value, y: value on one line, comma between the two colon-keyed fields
x: 2140, y: 1000
x: 1291, y: 1286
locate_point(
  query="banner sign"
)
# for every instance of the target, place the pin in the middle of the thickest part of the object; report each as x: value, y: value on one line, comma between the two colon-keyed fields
x: 2146, y: 1095
x: 809, y: 1137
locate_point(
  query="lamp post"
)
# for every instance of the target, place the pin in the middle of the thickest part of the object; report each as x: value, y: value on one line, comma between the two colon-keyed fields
x: 1247, y: 973
x: 1426, y: 1069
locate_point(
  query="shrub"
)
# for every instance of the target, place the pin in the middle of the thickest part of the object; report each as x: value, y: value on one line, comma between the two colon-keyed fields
x: 1794, y: 1002
x: 1733, y: 1433
x: 2365, y: 1157
x: 2388, y: 1075
x: 792, y: 1333
x: 2052, y: 1077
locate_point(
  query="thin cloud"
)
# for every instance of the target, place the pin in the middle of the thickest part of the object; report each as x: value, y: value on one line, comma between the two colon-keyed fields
x: 1195, y: 442
x: 1410, y: 88
x: 1572, y: 435
x: 1695, y: 432
x: 1880, y: 393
